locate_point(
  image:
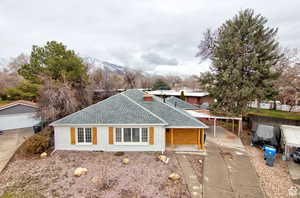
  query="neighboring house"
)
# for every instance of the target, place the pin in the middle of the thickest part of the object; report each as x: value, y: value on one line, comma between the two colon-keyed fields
x: 195, y: 98
x: 178, y: 103
x: 129, y: 121
x: 18, y: 114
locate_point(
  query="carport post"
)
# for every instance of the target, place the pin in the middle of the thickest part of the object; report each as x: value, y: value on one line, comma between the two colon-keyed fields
x: 215, y: 127
x: 240, y: 126
x: 202, y: 139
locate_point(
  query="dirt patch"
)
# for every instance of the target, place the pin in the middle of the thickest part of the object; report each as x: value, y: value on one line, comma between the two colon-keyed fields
x: 197, y: 162
x: 143, y: 177
x: 226, y: 154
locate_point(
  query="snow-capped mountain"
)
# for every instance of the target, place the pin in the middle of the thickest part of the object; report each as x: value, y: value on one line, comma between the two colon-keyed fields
x: 3, y: 62
x: 106, y: 66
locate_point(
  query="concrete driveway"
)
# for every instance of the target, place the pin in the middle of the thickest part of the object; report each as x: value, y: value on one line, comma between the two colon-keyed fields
x: 10, y: 140
x: 228, y: 172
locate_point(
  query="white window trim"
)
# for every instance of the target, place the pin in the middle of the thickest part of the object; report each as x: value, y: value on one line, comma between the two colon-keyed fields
x: 84, y: 137
x: 131, y: 143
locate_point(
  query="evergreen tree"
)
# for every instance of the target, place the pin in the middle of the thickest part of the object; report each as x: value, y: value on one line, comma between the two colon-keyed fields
x: 243, y: 51
x: 160, y: 85
x: 54, y: 62
x: 182, y: 97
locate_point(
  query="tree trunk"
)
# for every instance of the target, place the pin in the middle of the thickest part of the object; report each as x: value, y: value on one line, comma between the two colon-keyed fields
x: 258, y: 104
x: 274, y: 105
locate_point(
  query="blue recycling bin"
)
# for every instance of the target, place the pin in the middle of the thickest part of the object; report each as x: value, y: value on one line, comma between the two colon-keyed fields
x: 269, y: 155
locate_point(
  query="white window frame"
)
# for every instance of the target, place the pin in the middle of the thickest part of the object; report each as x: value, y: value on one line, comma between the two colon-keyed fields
x: 131, y: 143
x: 84, y: 136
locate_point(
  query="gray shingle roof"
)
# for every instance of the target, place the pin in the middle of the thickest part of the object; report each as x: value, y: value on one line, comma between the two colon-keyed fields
x: 117, y: 109
x: 173, y: 116
x: 130, y: 108
x: 174, y: 101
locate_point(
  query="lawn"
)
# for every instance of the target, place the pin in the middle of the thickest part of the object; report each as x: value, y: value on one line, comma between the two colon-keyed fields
x: 145, y: 176
x: 276, y: 113
x: 3, y: 102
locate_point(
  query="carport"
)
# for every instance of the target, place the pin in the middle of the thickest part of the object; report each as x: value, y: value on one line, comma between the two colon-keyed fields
x: 290, y: 138
x: 206, y: 115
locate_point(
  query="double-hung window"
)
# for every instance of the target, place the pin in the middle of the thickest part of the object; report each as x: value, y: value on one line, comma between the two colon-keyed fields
x: 131, y: 135
x: 84, y: 135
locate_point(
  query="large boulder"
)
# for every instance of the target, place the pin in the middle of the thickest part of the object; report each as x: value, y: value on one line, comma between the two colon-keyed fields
x: 174, y: 176
x: 164, y: 158
x: 44, y: 155
x: 80, y: 171
x: 125, y: 161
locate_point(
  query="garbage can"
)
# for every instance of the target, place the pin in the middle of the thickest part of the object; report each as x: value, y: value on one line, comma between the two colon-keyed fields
x: 269, y: 155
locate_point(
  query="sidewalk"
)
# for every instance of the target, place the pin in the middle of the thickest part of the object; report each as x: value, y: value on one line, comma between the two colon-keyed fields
x: 9, y: 143
x: 228, y: 173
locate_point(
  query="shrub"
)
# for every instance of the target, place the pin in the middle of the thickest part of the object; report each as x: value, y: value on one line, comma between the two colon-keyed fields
x: 38, y: 143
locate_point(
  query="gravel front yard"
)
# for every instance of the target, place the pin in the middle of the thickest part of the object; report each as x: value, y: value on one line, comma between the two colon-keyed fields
x: 144, y: 177
x: 275, y: 180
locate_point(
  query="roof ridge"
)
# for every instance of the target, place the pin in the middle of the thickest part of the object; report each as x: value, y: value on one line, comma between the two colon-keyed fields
x: 81, y: 110
x: 165, y: 122
x: 180, y: 111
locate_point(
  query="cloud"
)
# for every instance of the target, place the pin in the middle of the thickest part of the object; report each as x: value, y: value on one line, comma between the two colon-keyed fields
x: 129, y: 33
x: 156, y: 59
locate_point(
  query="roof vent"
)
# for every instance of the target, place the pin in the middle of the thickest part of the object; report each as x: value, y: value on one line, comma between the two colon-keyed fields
x: 148, y: 98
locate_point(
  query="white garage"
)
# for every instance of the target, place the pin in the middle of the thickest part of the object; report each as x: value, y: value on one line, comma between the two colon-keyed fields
x: 19, y: 114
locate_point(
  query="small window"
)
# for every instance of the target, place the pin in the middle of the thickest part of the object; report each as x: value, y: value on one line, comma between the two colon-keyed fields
x: 118, y: 135
x: 144, y: 134
x: 80, y: 135
x: 88, y: 135
x: 127, y: 134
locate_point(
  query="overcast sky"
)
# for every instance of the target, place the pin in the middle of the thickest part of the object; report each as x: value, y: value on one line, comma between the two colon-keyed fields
x: 154, y: 35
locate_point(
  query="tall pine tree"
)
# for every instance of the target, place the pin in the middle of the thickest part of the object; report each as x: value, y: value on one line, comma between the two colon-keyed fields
x: 243, y: 51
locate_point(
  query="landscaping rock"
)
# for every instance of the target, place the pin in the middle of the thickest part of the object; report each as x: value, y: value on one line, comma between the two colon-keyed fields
x: 174, y: 176
x: 44, y: 155
x: 125, y: 161
x: 164, y: 159
x: 94, y: 180
x: 80, y: 171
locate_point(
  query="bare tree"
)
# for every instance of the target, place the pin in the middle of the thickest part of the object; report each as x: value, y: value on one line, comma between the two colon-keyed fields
x: 130, y: 77
x: 16, y: 63
x: 60, y: 99
x: 288, y: 83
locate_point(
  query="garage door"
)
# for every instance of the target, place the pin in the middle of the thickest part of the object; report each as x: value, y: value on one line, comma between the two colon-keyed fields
x: 16, y: 121
x: 182, y: 136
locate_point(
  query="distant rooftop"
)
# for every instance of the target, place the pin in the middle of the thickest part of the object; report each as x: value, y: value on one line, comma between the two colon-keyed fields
x: 178, y: 93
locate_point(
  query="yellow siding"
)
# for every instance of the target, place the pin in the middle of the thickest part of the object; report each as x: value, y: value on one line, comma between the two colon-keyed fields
x: 182, y: 136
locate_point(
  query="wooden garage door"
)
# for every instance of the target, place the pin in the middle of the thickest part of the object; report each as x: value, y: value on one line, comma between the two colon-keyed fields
x: 182, y: 136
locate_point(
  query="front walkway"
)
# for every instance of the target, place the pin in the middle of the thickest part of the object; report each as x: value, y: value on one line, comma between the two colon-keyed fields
x: 228, y: 172
x: 190, y: 177
x: 9, y: 143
